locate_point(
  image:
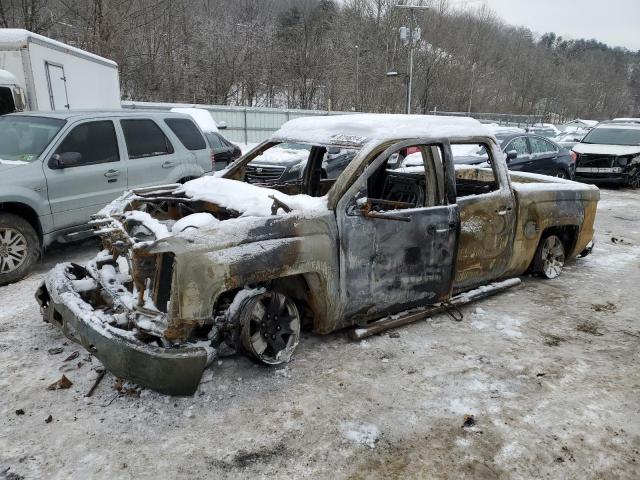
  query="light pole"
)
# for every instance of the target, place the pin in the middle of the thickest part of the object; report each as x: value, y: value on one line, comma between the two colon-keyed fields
x: 411, y: 36
x: 357, y: 78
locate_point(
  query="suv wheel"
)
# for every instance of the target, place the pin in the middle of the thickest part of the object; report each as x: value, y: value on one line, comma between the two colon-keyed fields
x: 549, y: 258
x: 19, y: 247
x: 270, y: 327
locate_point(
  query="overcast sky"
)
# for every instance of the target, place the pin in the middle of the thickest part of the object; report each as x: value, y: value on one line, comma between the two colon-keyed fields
x: 614, y: 22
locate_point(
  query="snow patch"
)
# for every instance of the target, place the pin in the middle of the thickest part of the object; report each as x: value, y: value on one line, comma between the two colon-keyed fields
x: 361, y: 432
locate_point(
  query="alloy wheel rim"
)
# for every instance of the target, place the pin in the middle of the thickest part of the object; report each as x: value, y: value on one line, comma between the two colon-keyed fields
x: 273, y: 329
x: 13, y: 250
x: 552, y: 257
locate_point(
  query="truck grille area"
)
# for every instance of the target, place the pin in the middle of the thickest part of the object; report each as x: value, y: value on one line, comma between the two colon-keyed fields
x: 597, y: 161
x: 257, y: 174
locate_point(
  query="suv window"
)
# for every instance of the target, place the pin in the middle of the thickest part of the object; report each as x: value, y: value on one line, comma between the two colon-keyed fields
x: 187, y: 132
x: 145, y: 139
x: 519, y: 145
x: 540, y: 145
x: 95, y: 141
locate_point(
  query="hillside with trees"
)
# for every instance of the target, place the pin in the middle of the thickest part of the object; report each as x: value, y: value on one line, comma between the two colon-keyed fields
x: 327, y: 54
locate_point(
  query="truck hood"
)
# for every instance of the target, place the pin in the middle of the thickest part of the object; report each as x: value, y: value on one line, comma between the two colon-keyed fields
x: 598, y: 149
x: 213, y: 213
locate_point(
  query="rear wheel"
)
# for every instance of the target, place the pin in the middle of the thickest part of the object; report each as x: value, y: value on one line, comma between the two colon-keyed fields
x: 550, y: 256
x: 19, y: 247
x: 270, y: 327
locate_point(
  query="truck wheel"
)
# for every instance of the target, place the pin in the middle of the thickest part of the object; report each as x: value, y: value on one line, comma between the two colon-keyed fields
x: 549, y: 258
x: 19, y: 248
x: 270, y: 327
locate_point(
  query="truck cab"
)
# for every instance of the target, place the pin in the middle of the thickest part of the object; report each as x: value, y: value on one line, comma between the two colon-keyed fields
x: 11, y: 94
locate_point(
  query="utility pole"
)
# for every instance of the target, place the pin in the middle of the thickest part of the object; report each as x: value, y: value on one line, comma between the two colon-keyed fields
x: 473, y: 81
x: 410, y: 36
x: 357, y: 78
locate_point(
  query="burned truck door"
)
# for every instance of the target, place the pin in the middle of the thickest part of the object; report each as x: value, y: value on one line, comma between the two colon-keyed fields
x: 488, y: 215
x: 398, y: 231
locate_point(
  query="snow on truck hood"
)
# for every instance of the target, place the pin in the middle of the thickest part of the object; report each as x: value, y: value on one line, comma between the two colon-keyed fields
x: 358, y: 129
x: 599, y: 149
x: 246, y: 199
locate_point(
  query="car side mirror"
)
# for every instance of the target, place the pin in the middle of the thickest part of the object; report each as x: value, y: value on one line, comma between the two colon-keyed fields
x: 65, y: 160
x: 222, y: 125
x: 511, y: 155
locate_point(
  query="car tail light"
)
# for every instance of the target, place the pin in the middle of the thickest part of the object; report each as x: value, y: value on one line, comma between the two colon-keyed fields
x: 213, y: 161
x: 574, y: 156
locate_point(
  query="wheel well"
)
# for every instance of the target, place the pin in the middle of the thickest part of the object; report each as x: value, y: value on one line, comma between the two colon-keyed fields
x: 302, y: 288
x: 568, y: 235
x: 23, y: 211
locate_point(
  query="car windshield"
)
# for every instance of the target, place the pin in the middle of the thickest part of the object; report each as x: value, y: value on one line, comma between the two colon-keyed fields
x: 613, y: 136
x: 23, y: 139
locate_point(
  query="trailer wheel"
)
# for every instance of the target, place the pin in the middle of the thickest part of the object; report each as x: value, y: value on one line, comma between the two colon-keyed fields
x: 550, y: 257
x: 270, y: 327
x: 19, y: 248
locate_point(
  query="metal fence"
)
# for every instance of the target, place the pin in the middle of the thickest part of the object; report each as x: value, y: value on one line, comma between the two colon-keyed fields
x: 255, y: 124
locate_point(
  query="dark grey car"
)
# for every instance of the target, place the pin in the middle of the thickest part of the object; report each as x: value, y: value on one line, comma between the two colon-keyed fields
x: 529, y: 153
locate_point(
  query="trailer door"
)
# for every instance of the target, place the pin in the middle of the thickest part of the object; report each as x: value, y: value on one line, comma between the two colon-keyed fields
x: 57, y: 87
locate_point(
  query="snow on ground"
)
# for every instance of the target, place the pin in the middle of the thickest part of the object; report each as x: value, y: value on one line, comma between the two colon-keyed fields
x: 538, y: 382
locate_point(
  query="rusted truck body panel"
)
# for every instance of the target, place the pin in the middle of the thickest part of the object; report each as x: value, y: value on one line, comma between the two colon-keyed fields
x: 342, y: 264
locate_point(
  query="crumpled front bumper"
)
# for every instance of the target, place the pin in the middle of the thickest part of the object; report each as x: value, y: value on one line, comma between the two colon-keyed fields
x: 172, y: 371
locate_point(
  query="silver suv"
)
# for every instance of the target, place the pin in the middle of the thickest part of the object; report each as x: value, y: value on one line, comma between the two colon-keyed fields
x: 59, y: 168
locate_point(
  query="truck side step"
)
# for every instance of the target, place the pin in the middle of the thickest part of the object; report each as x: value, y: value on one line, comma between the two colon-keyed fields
x: 414, y: 315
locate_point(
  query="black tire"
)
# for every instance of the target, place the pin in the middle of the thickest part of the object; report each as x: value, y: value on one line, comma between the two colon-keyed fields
x: 270, y: 324
x: 19, y: 248
x: 550, y: 256
x: 561, y: 174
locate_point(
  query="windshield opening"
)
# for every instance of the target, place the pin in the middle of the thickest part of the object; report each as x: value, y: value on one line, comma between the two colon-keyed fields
x: 614, y: 136
x: 23, y: 139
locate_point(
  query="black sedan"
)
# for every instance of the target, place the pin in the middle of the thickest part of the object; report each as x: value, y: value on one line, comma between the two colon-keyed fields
x: 528, y: 153
x: 224, y: 152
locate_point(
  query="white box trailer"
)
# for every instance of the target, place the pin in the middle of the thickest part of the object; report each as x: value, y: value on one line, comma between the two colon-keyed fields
x: 50, y: 75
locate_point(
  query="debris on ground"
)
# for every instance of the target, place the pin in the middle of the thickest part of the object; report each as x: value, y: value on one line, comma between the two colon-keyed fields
x: 604, y: 307
x: 469, y: 421
x: 49, y: 419
x: 55, y: 351
x: 73, y: 356
x: 101, y: 373
x: 20, y: 411
x: 551, y: 340
x: 590, y: 327
x: 62, y: 384
x: 123, y: 388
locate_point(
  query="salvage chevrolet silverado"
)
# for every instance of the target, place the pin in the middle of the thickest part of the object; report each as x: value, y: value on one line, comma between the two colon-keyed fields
x: 218, y: 265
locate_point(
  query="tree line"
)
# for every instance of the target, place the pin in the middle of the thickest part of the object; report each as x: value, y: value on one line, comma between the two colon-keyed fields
x: 336, y: 55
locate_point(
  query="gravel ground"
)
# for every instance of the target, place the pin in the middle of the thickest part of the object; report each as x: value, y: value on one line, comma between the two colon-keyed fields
x: 539, y: 382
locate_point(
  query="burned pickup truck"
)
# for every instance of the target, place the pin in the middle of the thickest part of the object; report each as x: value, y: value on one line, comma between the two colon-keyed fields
x: 219, y: 265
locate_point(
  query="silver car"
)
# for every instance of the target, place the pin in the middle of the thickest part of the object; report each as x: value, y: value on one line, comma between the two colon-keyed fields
x: 59, y: 168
